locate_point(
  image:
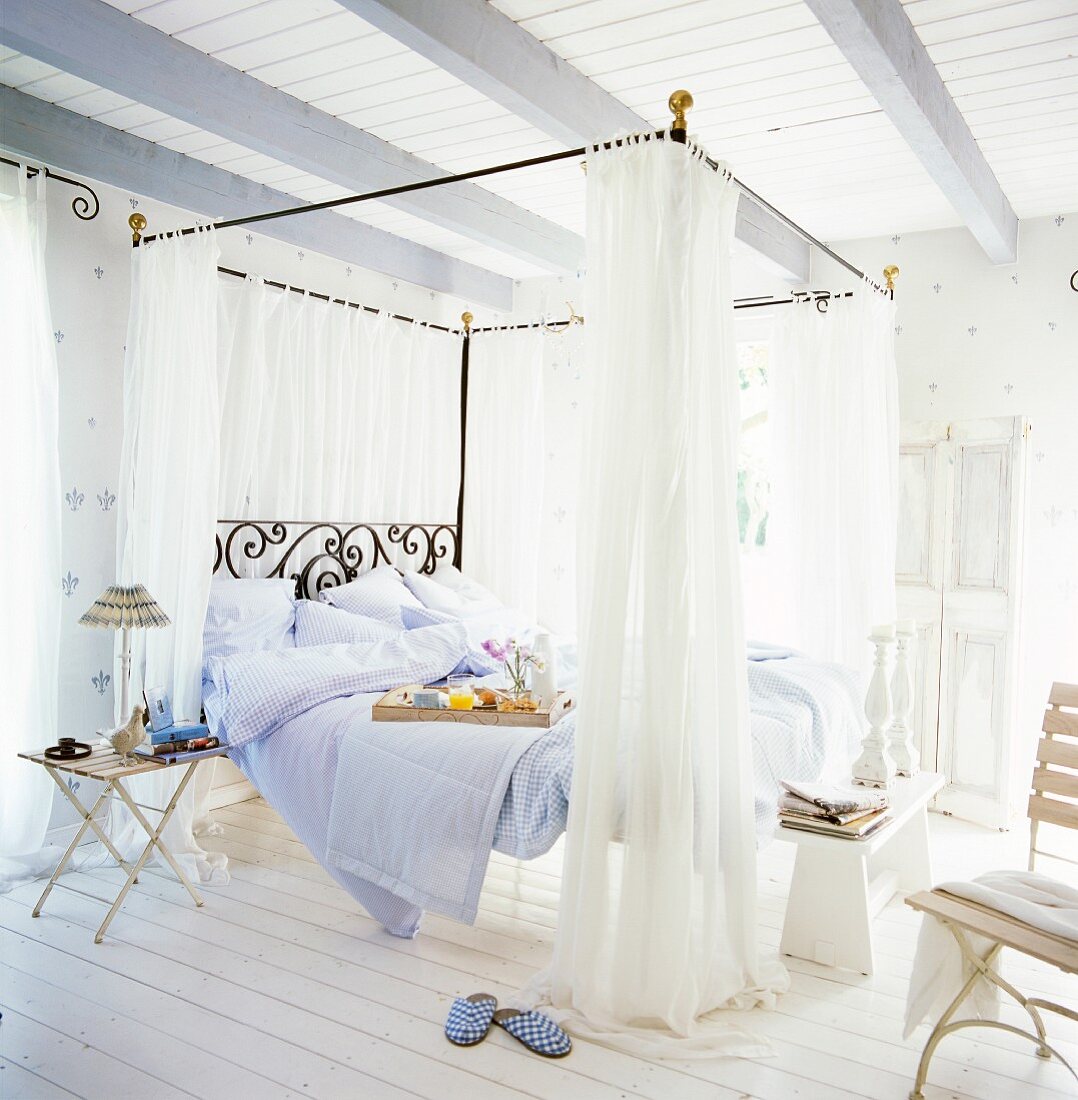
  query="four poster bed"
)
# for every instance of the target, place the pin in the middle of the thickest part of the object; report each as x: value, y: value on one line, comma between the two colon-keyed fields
x: 314, y: 766
x: 684, y: 730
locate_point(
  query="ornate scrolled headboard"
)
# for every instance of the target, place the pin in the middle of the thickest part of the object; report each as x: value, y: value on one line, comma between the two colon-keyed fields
x: 322, y: 555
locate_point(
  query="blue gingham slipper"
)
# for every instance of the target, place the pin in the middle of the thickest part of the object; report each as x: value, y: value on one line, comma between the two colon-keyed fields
x: 537, y: 1032
x: 469, y: 1019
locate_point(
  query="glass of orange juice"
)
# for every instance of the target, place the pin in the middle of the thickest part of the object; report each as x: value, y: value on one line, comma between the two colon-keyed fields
x: 461, y: 692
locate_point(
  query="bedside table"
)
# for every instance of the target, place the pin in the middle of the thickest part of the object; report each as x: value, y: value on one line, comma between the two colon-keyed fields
x: 103, y: 764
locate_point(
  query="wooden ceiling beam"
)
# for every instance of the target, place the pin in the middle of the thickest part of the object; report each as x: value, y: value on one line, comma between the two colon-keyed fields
x: 95, y: 41
x: 73, y: 143
x: 880, y: 42
x: 485, y: 49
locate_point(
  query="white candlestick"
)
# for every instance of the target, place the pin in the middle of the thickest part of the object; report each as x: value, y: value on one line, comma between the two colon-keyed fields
x: 900, y: 736
x: 885, y: 632
x: 875, y: 767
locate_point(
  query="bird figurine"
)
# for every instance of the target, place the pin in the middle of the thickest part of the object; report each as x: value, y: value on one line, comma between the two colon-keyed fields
x: 128, y: 737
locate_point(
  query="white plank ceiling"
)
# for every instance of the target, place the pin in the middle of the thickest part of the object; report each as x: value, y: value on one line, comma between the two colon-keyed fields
x: 774, y: 97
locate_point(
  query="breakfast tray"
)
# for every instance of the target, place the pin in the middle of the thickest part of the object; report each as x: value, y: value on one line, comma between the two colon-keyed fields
x: 393, y: 708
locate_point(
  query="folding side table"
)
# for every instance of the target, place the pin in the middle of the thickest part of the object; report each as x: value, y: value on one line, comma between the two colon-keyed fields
x: 104, y: 765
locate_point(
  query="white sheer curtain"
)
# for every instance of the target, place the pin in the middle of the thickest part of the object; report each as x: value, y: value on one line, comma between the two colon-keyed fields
x: 169, y: 470
x: 657, y: 925
x: 30, y: 533
x: 834, y: 474
x: 506, y: 459
x: 333, y: 413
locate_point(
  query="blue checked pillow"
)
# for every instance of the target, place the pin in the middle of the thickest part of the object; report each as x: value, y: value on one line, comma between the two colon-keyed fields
x: 320, y: 624
x: 476, y: 663
x: 379, y: 594
x: 248, y: 614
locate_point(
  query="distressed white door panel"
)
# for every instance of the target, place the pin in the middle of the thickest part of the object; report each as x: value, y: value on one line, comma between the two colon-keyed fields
x: 913, y: 560
x: 960, y: 521
x: 981, y: 516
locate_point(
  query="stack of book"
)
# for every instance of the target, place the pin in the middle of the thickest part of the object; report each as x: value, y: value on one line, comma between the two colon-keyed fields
x: 183, y: 741
x: 851, y: 812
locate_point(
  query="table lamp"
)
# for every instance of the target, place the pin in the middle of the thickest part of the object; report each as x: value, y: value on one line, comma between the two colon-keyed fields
x: 125, y: 607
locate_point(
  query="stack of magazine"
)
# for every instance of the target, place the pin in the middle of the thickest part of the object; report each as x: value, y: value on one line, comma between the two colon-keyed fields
x: 168, y: 741
x: 831, y: 810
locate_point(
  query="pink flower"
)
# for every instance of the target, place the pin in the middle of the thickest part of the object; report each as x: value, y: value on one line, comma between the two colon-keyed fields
x: 494, y: 649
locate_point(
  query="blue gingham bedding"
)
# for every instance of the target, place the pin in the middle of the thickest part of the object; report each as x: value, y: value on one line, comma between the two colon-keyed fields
x: 805, y: 725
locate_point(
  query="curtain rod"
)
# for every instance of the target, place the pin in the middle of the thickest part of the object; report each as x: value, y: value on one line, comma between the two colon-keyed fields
x: 340, y: 301
x: 680, y: 102
x: 396, y: 316
x: 80, y: 205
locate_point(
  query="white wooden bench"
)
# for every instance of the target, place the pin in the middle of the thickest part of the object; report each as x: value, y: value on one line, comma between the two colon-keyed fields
x: 840, y: 885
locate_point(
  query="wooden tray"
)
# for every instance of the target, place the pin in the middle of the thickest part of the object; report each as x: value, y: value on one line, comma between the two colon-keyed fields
x: 392, y: 708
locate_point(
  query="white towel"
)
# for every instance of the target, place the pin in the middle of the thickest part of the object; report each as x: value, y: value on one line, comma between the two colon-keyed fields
x: 940, y: 969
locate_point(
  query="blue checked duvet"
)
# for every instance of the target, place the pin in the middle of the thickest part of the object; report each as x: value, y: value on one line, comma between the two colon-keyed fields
x: 404, y: 815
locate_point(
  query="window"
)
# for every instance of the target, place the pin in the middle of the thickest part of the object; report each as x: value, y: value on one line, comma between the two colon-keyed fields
x: 753, y: 483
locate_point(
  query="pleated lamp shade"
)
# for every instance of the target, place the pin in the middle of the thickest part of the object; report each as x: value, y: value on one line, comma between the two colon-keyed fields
x: 125, y: 606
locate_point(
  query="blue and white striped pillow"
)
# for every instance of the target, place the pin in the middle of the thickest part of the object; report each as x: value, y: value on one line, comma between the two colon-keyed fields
x: 246, y: 614
x: 379, y: 594
x: 320, y: 624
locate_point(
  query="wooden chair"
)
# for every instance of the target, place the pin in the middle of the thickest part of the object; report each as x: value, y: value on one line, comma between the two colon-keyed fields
x: 1054, y: 799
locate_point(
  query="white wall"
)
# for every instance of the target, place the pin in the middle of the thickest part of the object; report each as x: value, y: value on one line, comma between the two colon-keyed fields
x: 974, y: 340
x: 88, y: 266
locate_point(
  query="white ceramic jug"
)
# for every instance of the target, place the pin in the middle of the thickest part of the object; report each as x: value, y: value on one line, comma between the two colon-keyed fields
x: 545, y: 683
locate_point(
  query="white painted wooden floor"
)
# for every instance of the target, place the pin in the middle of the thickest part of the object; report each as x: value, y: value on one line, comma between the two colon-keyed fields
x: 279, y: 986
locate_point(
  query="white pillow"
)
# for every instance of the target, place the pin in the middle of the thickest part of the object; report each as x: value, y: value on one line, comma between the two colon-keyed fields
x: 320, y: 624
x: 379, y: 594
x: 248, y: 614
x: 450, y: 591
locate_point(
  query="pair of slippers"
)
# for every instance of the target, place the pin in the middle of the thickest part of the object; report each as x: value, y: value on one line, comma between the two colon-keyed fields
x: 470, y: 1018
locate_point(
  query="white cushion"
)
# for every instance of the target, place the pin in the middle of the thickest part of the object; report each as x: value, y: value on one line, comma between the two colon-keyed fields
x: 449, y: 590
x: 321, y: 624
x: 248, y: 614
x: 379, y: 594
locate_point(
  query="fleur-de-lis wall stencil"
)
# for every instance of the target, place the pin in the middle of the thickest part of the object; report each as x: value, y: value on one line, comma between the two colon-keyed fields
x: 1051, y: 326
x: 1014, y: 278
x: 558, y: 571
x: 972, y: 330
x: 395, y: 285
x: 1059, y: 220
x: 101, y: 681
x: 92, y: 421
x: 1039, y: 456
x: 98, y: 272
x: 896, y: 238
x: 898, y: 330
x: 74, y: 499
x: 1008, y: 388
x: 73, y: 784
x: 347, y: 272
x: 937, y: 287
x: 301, y: 254
x: 560, y: 514
x: 1053, y: 515
x: 69, y: 583
x: 58, y: 336
x: 249, y: 238
x: 933, y: 386
x: 106, y: 500
x: 432, y: 295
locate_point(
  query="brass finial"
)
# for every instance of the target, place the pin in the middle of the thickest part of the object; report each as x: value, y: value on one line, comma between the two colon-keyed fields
x: 890, y: 273
x: 680, y: 102
x: 137, y: 222
x: 467, y: 319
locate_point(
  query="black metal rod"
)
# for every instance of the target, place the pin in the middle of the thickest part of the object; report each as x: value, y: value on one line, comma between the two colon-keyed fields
x: 464, y: 347
x: 341, y: 301
x: 80, y: 205
x: 530, y: 162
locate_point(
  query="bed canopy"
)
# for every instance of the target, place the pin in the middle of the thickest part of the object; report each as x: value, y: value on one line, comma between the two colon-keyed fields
x: 657, y: 919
